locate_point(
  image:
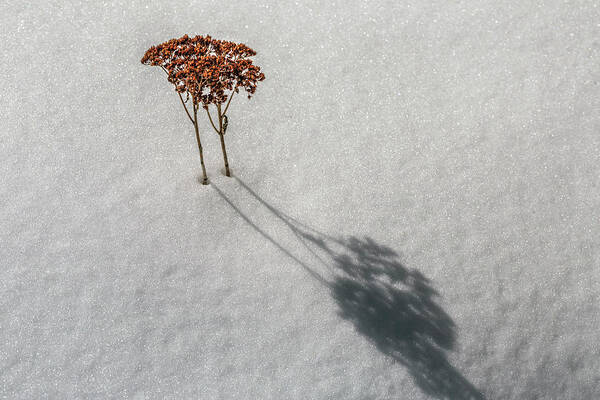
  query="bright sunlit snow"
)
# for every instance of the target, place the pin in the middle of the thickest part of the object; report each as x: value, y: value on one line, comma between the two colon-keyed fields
x: 415, y: 212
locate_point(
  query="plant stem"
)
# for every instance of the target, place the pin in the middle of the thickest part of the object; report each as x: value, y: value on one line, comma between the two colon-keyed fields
x: 229, y: 102
x: 211, y: 121
x: 204, y: 176
x: 222, y: 137
x: 185, y: 108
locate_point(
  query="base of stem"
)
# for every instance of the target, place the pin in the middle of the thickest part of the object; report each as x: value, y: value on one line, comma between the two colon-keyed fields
x: 224, y: 172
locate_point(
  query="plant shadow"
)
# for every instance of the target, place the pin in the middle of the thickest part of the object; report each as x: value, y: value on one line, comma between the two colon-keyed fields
x: 392, y: 306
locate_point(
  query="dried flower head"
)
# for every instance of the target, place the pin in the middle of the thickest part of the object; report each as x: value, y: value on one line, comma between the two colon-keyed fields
x: 208, y: 70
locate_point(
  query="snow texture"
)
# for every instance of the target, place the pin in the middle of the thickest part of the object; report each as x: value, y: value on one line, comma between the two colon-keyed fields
x: 415, y: 212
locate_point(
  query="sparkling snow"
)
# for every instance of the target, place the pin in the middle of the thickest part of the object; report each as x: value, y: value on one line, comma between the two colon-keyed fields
x: 415, y: 212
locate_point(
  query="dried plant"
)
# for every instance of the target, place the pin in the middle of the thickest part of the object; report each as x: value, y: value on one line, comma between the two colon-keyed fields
x: 207, y: 71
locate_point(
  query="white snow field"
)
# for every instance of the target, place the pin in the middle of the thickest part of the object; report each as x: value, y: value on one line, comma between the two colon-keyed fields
x: 415, y: 212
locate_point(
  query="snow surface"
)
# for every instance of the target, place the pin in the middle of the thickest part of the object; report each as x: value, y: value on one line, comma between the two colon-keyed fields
x: 415, y: 212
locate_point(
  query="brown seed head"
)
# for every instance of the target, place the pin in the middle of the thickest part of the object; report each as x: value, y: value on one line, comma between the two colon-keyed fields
x: 209, y: 70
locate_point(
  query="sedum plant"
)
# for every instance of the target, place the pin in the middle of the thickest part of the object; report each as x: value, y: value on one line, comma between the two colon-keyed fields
x: 206, y: 72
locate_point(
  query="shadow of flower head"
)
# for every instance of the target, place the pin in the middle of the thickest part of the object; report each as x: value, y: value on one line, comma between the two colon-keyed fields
x: 367, y: 260
x: 381, y: 297
x: 394, y: 307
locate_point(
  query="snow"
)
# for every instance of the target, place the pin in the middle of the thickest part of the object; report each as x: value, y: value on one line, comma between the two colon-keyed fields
x: 414, y: 214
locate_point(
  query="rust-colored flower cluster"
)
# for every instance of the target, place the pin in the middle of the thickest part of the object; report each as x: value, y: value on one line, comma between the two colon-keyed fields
x: 209, y: 71
x: 206, y: 69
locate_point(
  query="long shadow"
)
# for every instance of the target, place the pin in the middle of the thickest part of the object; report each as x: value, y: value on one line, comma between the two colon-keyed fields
x: 392, y: 306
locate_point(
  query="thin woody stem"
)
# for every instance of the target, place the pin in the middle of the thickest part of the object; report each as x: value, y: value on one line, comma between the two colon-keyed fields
x: 228, y: 102
x: 221, y: 136
x: 204, y: 176
x: 220, y: 118
x: 180, y: 98
x: 185, y: 108
x: 211, y: 121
